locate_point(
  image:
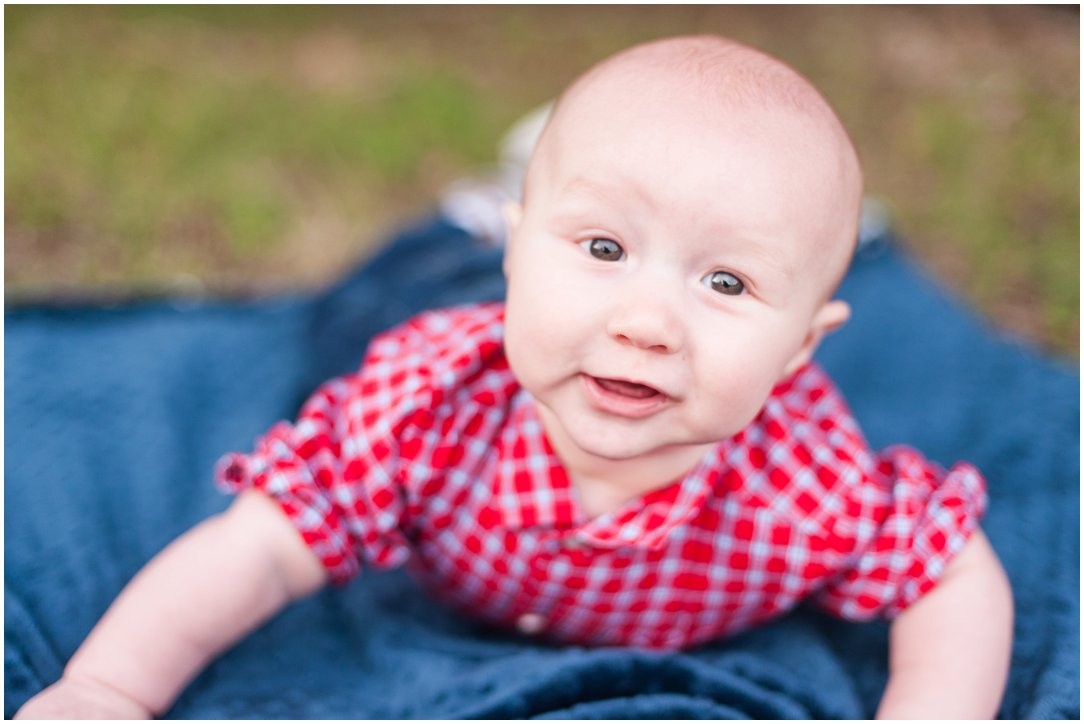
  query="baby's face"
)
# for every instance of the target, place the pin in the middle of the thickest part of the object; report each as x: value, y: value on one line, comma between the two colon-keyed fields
x: 666, y: 272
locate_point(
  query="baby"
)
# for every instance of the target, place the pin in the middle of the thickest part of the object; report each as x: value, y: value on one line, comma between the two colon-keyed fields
x: 634, y: 449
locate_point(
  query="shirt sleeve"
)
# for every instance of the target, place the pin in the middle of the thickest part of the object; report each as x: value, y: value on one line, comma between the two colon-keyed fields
x: 341, y: 471
x: 333, y: 473
x: 908, y: 521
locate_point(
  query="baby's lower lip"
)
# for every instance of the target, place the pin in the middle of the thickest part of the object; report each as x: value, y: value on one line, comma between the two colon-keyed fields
x: 624, y: 399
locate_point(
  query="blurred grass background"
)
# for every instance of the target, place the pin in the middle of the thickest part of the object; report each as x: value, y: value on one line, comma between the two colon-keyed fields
x: 240, y: 149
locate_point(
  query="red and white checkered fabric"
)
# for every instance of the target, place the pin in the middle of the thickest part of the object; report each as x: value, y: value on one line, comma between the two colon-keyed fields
x: 433, y: 456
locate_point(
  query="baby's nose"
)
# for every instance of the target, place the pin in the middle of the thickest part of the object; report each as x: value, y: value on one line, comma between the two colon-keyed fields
x: 648, y: 322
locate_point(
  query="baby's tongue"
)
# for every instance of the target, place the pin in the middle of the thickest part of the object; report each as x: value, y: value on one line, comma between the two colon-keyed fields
x: 628, y: 389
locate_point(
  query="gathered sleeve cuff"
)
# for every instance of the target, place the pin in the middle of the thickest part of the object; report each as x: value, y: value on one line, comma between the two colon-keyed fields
x: 277, y: 470
x: 913, y: 521
x: 340, y: 498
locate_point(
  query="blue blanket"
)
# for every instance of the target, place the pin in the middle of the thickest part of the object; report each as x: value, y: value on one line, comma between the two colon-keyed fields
x: 115, y: 415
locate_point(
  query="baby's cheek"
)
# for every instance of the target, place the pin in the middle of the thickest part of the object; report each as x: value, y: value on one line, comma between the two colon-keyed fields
x: 740, y: 384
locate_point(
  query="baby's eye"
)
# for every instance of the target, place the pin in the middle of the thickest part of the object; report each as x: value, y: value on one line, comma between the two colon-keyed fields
x: 724, y: 283
x: 604, y: 249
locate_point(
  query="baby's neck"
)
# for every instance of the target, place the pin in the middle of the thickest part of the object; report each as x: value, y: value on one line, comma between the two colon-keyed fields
x: 605, y: 489
x: 604, y: 485
x: 600, y: 496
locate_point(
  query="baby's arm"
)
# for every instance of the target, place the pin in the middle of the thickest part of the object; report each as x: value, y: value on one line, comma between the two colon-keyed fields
x: 950, y: 650
x: 205, y: 591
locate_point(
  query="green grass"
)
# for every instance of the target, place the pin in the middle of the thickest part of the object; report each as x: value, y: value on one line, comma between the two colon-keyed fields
x: 124, y: 143
x: 1011, y: 218
x: 268, y: 147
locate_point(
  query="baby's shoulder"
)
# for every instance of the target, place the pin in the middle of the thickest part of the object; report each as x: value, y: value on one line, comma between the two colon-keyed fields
x: 439, y: 347
x: 435, y: 357
x: 809, y: 409
x: 452, y: 337
x: 804, y: 455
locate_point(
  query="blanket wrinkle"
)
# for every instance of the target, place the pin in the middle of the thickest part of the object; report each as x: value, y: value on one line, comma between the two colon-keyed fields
x: 116, y: 415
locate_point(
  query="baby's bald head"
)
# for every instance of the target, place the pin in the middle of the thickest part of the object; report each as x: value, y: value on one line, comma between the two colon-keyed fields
x: 701, y: 85
x: 713, y: 68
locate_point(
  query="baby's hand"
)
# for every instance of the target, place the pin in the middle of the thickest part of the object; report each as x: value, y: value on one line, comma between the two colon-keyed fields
x: 81, y: 699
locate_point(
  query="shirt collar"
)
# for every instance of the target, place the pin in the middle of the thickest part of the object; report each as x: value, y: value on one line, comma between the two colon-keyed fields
x: 532, y: 490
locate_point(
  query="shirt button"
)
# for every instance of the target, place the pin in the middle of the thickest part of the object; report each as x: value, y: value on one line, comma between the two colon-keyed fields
x: 531, y: 623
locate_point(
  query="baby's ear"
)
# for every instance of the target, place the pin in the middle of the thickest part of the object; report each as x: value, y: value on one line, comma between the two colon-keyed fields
x: 513, y: 215
x: 830, y: 317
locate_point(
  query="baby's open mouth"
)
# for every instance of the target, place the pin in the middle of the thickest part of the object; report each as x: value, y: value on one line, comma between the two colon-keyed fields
x: 623, y: 398
x: 628, y: 389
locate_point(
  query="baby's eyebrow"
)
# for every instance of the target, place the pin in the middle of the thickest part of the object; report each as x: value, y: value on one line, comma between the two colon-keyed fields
x: 582, y: 198
x: 582, y: 188
x: 739, y: 249
x: 579, y: 201
x: 580, y: 191
x: 767, y: 252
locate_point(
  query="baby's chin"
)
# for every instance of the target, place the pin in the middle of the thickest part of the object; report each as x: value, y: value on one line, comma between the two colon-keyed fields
x: 639, y: 451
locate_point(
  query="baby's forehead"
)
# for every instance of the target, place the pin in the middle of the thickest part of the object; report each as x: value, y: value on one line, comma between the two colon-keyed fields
x: 698, y: 89
x: 687, y: 119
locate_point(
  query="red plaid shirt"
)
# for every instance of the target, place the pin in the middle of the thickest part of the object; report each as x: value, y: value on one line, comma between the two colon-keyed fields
x: 433, y: 456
